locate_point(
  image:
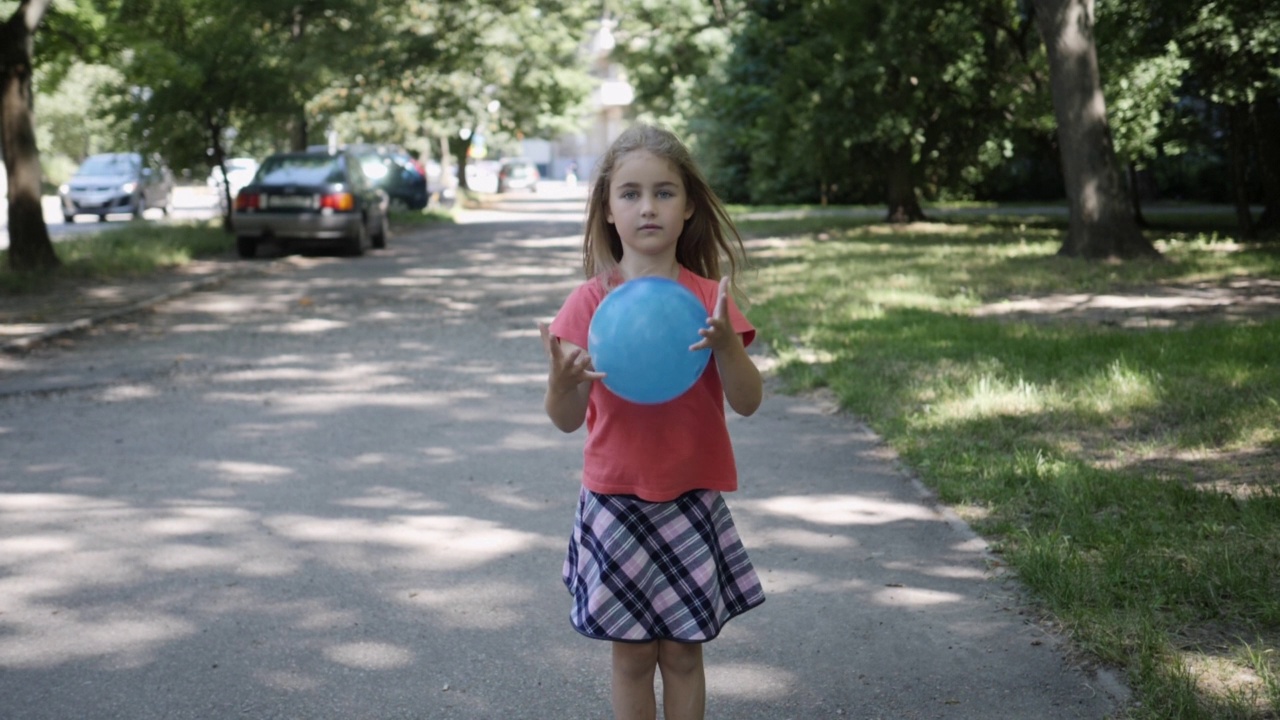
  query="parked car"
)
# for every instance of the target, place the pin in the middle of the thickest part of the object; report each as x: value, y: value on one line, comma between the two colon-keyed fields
x: 310, y: 198
x: 240, y: 172
x: 518, y: 174
x: 393, y: 169
x: 117, y: 183
x: 482, y: 175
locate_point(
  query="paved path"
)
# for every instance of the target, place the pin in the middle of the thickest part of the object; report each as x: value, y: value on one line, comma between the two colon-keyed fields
x: 328, y: 490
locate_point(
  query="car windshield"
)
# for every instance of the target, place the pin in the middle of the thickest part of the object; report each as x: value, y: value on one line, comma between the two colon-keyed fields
x: 300, y: 170
x: 109, y: 165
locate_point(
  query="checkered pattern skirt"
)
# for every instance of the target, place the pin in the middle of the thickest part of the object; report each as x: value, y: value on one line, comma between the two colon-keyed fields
x: 641, y: 571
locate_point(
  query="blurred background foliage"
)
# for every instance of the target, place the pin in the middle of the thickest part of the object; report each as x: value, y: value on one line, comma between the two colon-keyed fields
x: 786, y: 101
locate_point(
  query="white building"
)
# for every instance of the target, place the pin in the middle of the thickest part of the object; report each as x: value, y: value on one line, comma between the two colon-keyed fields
x: 607, y: 117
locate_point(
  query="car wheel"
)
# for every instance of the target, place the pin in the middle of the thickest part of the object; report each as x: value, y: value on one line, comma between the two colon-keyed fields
x: 102, y: 218
x: 246, y: 247
x: 380, y: 238
x: 355, y: 243
x: 68, y: 219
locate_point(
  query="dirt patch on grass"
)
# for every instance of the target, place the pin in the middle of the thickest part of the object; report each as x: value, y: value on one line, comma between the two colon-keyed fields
x: 1242, y: 473
x: 1163, y: 306
x: 1238, y: 472
x: 1232, y: 663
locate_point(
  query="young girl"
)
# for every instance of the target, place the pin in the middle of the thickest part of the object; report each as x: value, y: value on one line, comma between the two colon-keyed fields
x: 655, y: 564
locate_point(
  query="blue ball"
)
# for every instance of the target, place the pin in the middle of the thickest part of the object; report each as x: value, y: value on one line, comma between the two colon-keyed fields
x: 640, y: 337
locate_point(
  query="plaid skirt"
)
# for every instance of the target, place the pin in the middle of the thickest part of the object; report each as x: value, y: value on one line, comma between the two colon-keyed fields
x: 641, y: 571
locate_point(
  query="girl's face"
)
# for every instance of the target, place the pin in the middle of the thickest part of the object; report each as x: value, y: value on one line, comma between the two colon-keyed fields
x: 647, y: 205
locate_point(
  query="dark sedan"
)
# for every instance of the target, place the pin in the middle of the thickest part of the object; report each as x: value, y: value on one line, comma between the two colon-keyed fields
x: 310, y: 198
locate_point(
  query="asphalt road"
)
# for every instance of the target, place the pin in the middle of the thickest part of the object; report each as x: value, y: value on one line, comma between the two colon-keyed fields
x: 330, y: 491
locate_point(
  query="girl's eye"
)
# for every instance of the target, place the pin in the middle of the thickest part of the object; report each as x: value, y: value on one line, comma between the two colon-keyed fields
x: 665, y: 193
x: 629, y: 195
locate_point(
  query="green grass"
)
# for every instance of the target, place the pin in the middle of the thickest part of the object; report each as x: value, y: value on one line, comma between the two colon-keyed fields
x: 1129, y: 477
x: 426, y: 216
x: 132, y: 250
x: 138, y: 248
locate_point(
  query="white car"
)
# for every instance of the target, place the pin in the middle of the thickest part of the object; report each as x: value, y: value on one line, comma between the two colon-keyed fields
x: 240, y: 172
x: 110, y: 183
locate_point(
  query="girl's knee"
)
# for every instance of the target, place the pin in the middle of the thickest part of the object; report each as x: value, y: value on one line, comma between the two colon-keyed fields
x: 679, y: 658
x: 635, y: 658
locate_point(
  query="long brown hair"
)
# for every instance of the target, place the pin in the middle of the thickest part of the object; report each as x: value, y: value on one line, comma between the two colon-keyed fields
x: 709, y: 235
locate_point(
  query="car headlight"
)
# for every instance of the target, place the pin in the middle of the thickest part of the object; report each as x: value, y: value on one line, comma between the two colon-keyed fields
x: 63, y: 189
x: 129, y: 187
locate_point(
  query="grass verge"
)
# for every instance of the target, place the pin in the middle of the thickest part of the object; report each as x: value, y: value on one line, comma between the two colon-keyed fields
x: 1128, y: 477
x: 131, y: 250
x: 425, y: 216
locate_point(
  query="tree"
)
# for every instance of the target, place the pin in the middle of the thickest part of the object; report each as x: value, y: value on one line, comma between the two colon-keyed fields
x: 1234, y: 50
x: 192, y: 73
x: 69, y: 124
x: 1218, y: 58
x: 846, y: 102
x: 1101, y: 223
x: 504, y: 67
x: 1147, y: 71
x: 30, y: 248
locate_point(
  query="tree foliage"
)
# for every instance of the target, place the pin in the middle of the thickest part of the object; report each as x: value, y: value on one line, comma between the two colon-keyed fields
x: 815, y: 101
x: 841, y: 102
x: 1197, y: 82
x: 196, y: 80
x: 512, y: 69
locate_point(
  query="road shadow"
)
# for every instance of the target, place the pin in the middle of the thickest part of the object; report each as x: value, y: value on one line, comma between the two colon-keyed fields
x: 331, y: 492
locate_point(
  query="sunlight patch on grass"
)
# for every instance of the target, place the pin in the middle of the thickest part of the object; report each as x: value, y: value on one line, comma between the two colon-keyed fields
x: 990, y: 396
x: 1240, y: 678
x: 1127, y: 476
x: 1120, y: 388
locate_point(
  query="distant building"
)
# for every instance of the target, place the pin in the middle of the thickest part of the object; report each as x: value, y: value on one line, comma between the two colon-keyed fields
x: 607, y: 117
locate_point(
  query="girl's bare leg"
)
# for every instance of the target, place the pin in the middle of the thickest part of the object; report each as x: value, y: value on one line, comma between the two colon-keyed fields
x: 633, y: 668
x: 684, y: 683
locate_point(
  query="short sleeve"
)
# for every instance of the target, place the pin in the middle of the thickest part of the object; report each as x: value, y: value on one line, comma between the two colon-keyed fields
x: 708, y: 291
x: 741, y: 324
x: 573, y: 320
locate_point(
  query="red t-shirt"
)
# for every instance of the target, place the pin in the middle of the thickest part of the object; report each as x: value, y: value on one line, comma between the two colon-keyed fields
x: 656, y: 452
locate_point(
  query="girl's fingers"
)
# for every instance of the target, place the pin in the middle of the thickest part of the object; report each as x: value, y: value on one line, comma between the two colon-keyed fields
x: 548, y: 340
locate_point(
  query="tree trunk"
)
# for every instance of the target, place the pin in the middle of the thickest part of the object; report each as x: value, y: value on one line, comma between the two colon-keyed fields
x: 30, y: 249
x: 1101, y: 223
x: 1238, y: 141
x: 298, y: 126
x: 1136, y: 194
x: 463, y: 148
x: 298, y: 131
x: 444, y: 166
x: 904, y: 206
x: 214, y: 129
x: 1266, y: 120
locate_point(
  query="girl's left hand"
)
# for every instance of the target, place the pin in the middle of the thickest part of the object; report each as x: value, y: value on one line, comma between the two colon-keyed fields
x: 718, y: 334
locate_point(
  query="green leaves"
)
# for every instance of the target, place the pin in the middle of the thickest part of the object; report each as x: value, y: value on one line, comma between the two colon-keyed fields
x: 198, y: 76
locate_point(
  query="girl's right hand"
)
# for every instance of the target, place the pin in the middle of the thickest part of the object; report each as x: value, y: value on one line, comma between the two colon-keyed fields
x: 570, y: 364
